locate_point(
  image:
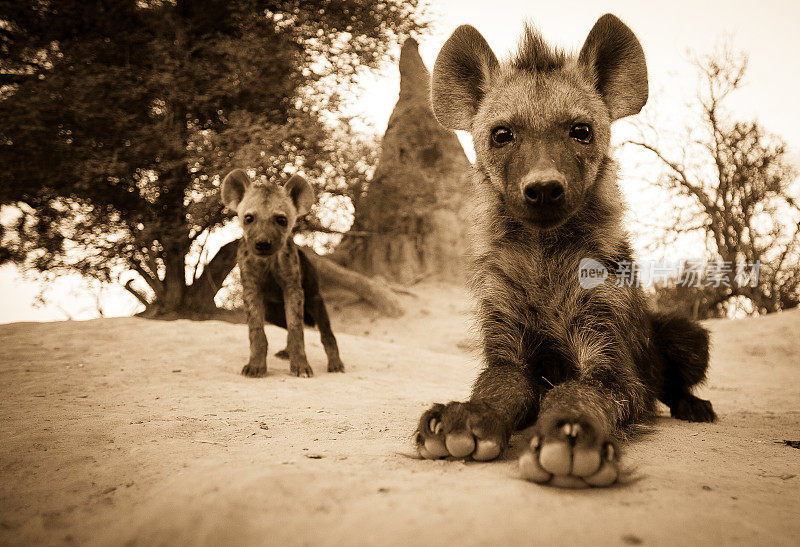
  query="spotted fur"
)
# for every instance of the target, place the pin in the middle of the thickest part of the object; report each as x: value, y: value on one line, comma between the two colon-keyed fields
x: 279, y: 283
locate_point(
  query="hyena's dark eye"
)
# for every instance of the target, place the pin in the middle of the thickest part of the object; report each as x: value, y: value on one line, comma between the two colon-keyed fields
x: 248, y: 218
x: 501, y: 136
x: 581, y: 132
x: 281, y: 220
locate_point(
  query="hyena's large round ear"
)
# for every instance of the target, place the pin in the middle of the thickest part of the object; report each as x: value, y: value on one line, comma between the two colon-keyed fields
x: 233, y: 188
x: 301, y: 192
x: 616, y: 59
x: 460, y: 77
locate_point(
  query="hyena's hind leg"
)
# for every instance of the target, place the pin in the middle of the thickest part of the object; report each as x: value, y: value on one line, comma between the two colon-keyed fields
x: 683, y: 345
x: 317, y: 314
x: 320, y: 314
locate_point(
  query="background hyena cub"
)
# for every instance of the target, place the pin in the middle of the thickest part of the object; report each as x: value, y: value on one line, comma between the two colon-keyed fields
x: 280, y: 284
x: 582, y: 364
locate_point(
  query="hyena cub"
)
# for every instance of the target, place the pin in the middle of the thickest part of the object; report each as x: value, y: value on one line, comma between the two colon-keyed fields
x: 581, y: 364
x: 280, y: 284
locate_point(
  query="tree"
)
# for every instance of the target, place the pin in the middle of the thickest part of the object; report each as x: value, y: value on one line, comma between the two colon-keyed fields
x: 119, y: 115
x: 735, y: 186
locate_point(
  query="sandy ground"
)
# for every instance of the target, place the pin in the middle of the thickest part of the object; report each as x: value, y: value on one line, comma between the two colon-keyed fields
x: 143, y: 432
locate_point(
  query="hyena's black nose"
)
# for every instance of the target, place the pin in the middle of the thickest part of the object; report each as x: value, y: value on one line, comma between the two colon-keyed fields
x: 550, y: 192
x: 263, y: 246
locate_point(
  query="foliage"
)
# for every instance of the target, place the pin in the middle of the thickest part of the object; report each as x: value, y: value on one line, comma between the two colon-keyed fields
x: 697, y: 300
x: 735, y: 185
x: 120, y: 115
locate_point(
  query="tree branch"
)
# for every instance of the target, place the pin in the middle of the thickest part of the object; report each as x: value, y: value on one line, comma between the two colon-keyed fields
x: 154, y: 282
x: 217, y: 269
x: 139, y: 296
x: 697, y: 191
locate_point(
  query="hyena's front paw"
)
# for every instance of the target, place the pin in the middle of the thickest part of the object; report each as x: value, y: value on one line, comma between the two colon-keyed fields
x: 301, y: 369
x: 335, y: 365
x: 460, y: 430
x: 255, y: 370
x: 570, y: 452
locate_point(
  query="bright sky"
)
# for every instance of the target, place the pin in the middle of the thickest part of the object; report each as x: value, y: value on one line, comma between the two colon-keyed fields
x: 765, y: 30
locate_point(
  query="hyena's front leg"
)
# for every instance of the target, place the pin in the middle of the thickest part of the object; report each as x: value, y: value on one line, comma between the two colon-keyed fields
x: 573, y: 444
x: 502, y: 398
x: 256, y: 367
x: 295, y: 344
x: 479, y: 428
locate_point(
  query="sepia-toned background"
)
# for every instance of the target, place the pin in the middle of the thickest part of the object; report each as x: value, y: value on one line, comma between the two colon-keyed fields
x: 123, y: 416
x: 83, y: 207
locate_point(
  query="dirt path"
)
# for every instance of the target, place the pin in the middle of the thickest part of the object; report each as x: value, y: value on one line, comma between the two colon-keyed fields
x: 128, y: 430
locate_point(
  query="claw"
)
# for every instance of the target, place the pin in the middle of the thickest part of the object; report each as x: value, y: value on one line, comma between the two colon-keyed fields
x: 609, y: 452
x: 435, y: 426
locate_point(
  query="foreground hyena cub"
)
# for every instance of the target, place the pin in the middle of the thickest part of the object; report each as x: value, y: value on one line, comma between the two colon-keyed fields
x: 582, y: 364
x: 280, y: 284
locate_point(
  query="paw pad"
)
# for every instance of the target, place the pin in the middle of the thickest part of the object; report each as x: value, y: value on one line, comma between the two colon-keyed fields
x: 460, y: 445
x: 459, y: 430
x: 559, y: 462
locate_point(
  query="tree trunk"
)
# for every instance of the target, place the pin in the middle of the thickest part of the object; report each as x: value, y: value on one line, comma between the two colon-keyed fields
x: 174, y: 282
